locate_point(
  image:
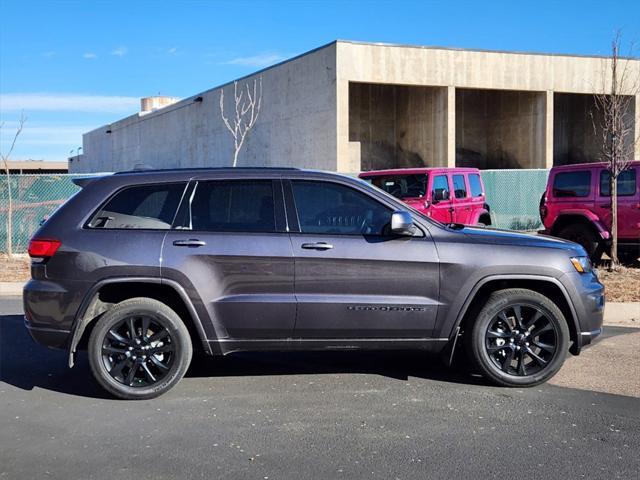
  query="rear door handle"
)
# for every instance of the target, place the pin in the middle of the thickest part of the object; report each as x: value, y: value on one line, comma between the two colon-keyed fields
x: 192, y: 242
x: 317, y: 246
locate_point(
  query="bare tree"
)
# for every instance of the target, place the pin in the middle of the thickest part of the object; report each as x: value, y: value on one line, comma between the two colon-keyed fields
x: 247, y: 109
x: 613, y: 124
x: 5, y: 163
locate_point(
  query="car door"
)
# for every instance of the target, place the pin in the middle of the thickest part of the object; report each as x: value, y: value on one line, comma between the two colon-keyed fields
x: 352, y: 279
x: 441, y: 210
x: 628, y: 202
x: 461, y: 202
x: 229, y: 246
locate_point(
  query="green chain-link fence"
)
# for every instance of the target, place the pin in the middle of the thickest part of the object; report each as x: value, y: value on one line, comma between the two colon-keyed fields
x: 512, y: 194
x: 514, y: 197
x: 34, y: 198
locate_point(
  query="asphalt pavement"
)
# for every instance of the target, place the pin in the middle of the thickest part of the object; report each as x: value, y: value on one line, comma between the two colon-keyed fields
x: 318, y: 415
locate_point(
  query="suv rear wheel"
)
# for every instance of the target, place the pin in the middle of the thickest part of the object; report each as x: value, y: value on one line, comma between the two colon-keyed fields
x: 519, y: 339
x: 139, y: 349
x: 585, y: 236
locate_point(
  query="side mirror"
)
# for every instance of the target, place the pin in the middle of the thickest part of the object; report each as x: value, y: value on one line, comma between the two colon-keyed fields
x: 439, y: 194
x: 402, y: 223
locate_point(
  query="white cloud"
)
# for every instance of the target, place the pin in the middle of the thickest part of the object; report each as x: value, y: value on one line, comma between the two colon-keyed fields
x: 89, y: 56
x: 257, y: 61
x: 13, y: 102
x: 49, y: 54
x: 120, y: 51
x: 46, y: 134
x: 172, y: 51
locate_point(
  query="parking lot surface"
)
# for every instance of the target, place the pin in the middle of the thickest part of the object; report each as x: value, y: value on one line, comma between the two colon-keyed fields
x: 319, y: 415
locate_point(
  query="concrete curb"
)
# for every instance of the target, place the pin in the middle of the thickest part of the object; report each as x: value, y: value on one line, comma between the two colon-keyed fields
x: 11, y: 289
x: 615, y: 313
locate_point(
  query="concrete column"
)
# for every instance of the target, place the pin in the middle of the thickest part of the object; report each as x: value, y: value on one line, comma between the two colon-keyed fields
x: 451, y: 126
x: 548, y: 130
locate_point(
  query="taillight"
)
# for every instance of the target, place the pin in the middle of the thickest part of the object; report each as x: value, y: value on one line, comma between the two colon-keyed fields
x: 43, y: 248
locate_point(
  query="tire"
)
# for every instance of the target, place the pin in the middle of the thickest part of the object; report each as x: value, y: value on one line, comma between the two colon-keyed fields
x: 159, y: 352
x: 628, y: 256
x: 585, y: 236
x: 489, y: 345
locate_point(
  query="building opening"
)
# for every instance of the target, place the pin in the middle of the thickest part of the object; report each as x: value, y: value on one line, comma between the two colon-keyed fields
x: 500, y: 129
x: 397, y: 126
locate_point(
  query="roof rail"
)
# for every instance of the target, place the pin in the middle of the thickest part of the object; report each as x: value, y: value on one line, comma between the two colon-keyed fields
x: 145, y: 169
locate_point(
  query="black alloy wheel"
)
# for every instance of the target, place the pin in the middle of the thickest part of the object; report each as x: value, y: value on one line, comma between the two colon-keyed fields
x: 138, y: 351
x: 521, y: 340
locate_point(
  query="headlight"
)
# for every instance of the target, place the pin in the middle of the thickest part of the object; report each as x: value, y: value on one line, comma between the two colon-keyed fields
x: 581, y: 264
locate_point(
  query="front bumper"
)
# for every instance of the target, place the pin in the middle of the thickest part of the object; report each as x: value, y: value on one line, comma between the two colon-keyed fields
x: 589, y: 338
x: 587, y: 296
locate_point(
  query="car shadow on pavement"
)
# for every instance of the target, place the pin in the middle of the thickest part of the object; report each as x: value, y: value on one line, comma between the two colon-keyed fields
x: 26, y: 365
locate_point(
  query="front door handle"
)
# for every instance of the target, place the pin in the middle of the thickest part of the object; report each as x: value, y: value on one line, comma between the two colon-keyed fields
x: 192, y: 242
x: 317, y: 246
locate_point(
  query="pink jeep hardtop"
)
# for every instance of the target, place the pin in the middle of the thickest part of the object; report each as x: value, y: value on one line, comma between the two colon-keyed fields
x: 449, y: 195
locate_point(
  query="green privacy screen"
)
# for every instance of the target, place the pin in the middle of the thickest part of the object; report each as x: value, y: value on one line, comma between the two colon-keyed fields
x: 514, y: 197
x: 512, y: 194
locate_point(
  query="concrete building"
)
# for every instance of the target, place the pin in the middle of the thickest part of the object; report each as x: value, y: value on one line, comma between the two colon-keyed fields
x: 351, y: 106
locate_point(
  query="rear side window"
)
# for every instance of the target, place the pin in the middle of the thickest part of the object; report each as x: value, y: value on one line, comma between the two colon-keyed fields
x: 572, y: 184
x: 233, y: 206
x: 475, y: 184
x: 459, y: 187
x: 626, y: 183
x: 330, y: 208
x: 140, y: 207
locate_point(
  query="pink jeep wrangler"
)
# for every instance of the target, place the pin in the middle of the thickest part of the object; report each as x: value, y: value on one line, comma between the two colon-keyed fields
x: 577, y: 206
x: 449, y: 195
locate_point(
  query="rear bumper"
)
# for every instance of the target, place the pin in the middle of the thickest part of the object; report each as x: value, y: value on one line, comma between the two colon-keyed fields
x: 49, y: 337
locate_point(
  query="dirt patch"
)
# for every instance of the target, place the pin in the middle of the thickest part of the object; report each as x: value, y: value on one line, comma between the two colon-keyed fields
x: 622, y: 285
x: 15, y: 269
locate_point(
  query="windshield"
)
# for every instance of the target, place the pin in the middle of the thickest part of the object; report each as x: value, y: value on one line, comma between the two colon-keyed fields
x: 402, y: 186
x: 406, y: 206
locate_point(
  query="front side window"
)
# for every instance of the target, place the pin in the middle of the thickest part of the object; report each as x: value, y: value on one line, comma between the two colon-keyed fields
x: 330, y: 208
x: 140, y: 207
x: 459, y: 187
x: 402, y: 186
x: 475, y: 184
x: 626, y: 183
x: 233, y: 206
x: 440, y: 182
x: 572, y: 184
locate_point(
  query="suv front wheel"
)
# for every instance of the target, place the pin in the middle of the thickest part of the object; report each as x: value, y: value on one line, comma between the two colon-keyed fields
x: 519, y: 339
x: 139, y: 349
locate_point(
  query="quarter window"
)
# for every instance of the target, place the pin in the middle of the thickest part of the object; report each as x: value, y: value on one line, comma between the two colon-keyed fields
x: 233, y: 206
x: 140, y: 207
x: 572, y: 184
x: 459, y: 187
x: 475, y: 184
x: 330, y: 208
x: 626, y: 183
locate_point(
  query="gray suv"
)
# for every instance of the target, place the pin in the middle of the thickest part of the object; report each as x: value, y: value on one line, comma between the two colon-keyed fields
x: 143, y: 268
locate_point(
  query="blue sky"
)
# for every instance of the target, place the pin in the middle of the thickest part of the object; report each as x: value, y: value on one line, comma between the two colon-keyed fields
x: 73, y: 66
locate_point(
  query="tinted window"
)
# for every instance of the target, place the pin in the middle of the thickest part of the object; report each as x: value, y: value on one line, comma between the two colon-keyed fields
x: 233, y: 206
x: 475, y: 185
x: 459, y: 187
x: 626, y: 183
x: 330, y: 208
x: 402, y: 186
x: 140, y: 207
x: 440, y: 182
x: 572, y: 184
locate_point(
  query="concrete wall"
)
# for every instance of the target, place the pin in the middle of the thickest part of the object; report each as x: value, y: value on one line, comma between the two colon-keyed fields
x: 397, y: 126
x: 296, y: 126
x: 500, y: 129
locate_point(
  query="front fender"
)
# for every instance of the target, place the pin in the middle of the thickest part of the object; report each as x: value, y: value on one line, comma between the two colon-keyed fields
x: 589, y: 216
